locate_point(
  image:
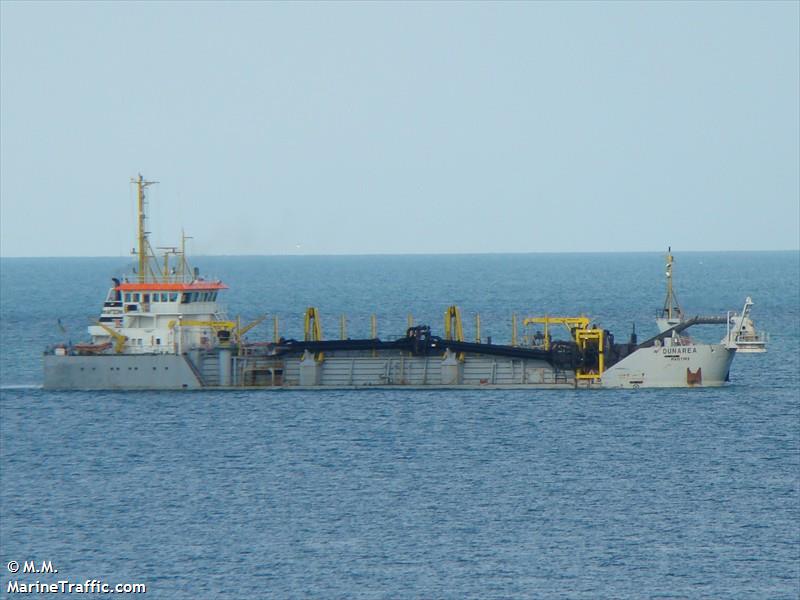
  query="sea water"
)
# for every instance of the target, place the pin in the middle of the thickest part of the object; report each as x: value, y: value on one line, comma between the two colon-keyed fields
x: 687, y: 493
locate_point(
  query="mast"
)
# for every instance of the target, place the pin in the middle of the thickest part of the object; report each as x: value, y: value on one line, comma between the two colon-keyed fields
x: 165, y: 274
x: 671, y: 306
x: 184, y: 262
x: 143, y: 248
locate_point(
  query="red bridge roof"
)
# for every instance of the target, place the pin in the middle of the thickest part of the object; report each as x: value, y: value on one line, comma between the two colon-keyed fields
x: 155, y: 286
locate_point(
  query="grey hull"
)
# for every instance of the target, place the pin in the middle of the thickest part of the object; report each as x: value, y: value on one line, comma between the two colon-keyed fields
x: 696, y: 366
x: 119, y: 372
x: 342, y: 371
x: 703, y: 365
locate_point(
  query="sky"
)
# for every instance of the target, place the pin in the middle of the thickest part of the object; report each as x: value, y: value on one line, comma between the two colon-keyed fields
x: 383, y: 128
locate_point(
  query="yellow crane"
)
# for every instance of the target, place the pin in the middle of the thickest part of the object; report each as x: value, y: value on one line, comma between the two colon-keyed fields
x: 236, y: 330
x: 215, y: 325
x: 571, y: 323
x: 119, y: 339
x: 585, y: 338
x: 453, y: 329
x: 312, y: 325
x: 240, y: 331
x: 312, y: 328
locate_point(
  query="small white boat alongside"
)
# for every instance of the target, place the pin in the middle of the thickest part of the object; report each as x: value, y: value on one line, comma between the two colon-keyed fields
x: 742, y: 334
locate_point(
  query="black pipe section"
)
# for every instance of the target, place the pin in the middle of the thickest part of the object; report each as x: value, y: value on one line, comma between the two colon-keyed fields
x: 683, y: 325
x: 419, y: 342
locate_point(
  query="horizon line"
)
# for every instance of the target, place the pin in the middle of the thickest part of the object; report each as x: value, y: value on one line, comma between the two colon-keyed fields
x: 368, y: 254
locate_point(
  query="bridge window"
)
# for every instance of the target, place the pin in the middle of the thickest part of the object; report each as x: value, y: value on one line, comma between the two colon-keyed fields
x: 173, y: 297
x: 127, y: 296
x: 136, y: 297
x: 186, y: 298
x: 164, y: 297
x: 146, y: 298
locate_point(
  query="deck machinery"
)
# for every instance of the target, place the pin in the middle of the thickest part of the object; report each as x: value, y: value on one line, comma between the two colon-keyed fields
x: 420, y: 358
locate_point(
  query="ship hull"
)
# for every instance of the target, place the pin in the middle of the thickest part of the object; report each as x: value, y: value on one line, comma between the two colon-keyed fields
x: 691, y: 366
x: 119, y: 372
x: 702, y: 365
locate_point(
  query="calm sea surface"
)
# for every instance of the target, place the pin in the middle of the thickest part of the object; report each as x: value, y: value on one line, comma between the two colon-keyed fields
x: 412, y: 494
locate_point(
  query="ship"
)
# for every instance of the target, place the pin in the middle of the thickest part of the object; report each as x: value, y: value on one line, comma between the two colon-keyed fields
x: 162, y: 327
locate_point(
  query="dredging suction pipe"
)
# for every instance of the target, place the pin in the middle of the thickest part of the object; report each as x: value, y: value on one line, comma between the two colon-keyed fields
x: 683, y: 325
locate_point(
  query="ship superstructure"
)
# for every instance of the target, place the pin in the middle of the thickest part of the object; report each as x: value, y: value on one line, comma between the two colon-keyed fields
x: 165, y: 309
x: 163, y: 328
